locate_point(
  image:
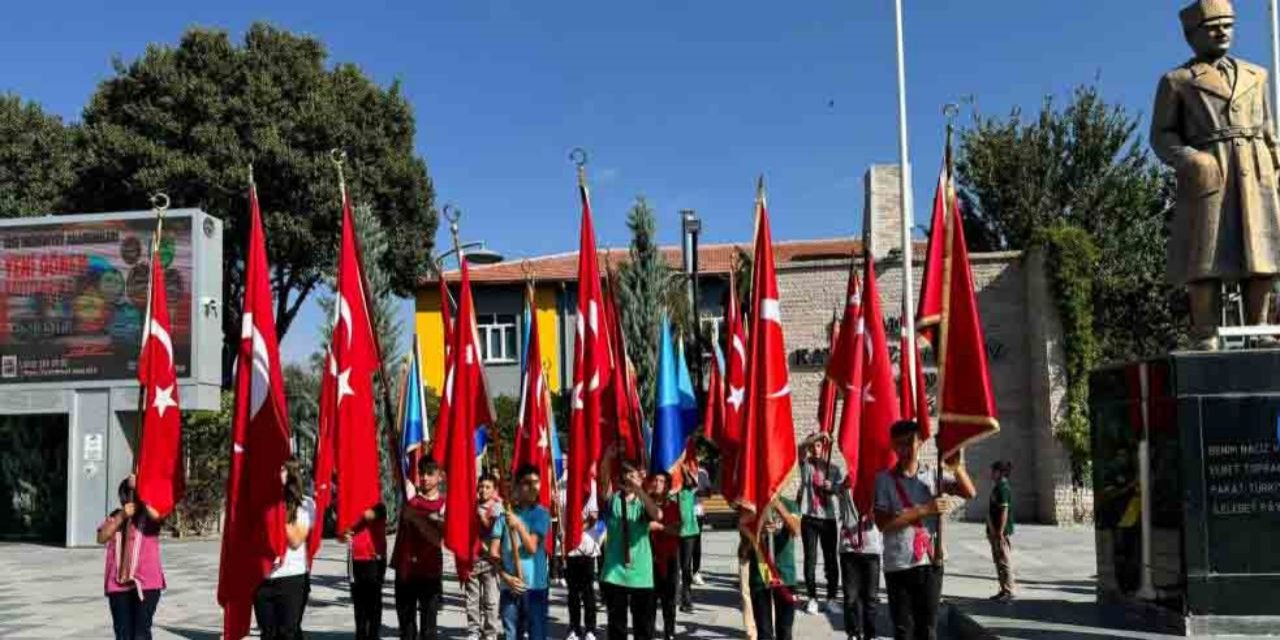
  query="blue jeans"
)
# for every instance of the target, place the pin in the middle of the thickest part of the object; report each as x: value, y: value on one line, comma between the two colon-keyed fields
x: 526, y: 612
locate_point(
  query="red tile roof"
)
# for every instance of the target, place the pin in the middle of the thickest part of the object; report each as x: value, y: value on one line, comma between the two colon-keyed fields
x: 712, y: 259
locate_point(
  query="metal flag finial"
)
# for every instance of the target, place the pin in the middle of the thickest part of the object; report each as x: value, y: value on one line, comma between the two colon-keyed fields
x: 159, y: 201
x: 339, y: 158
x: 578, y: 156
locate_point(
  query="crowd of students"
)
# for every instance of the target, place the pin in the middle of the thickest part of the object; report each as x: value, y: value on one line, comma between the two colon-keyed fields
x: 644, y: 553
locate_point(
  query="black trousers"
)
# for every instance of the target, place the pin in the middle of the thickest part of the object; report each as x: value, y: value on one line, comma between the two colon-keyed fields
x: 131, y: 616
x: 861, y: 572
x: 913, y: 602
x: 580, y: 574
x: 697, y: 545
x: 366, y: 596
x: 688, y: 553
x: 639, y: 602
x: 417, y: 605
x: 774, y: 614
x: 279, y: 604
x: 815, y: 531
x: 664, y: 596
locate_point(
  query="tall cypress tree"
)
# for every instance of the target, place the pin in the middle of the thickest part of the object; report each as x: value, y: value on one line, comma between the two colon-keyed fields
x: 642, y: 284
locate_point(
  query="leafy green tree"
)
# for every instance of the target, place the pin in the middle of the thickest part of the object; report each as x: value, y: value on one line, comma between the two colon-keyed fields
x: 643, y: 287
x: 1081, y: 166
x: 189, y: 119
x: 206, y: 439
x: 37, y: 159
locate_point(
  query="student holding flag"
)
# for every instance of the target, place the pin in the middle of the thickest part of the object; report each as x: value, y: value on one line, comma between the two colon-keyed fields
x: 519, y: 540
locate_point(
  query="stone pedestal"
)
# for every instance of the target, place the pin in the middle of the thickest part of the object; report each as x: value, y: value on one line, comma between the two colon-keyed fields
x: 1186, y: 481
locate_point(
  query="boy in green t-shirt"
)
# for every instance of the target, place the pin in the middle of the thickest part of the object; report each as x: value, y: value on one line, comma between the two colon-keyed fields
x: 773, y: 609
x: 1000, y: 527
x: 690, y: 531
x: 628, y: 558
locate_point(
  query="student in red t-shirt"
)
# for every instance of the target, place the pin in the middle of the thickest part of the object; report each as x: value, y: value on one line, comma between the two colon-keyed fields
x: 664, y: 538
x: 368, y: 546
x: 417, y: 559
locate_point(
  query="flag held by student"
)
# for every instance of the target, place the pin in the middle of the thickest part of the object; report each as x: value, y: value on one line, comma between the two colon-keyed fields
x: 676, y: 412
x: 949, y: 308
x: 253, y: 536
x: 413, y: 429
x: 161, y: 480
x: 768, y: 452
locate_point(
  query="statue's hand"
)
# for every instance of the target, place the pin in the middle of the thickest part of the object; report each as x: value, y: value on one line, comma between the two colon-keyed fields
x: 1199, y: 175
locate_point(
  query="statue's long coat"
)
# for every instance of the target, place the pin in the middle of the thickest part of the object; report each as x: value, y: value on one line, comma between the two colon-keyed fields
x: 1221, y: 142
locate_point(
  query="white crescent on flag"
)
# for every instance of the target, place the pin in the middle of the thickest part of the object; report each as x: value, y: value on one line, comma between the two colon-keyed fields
x: 155, y: 330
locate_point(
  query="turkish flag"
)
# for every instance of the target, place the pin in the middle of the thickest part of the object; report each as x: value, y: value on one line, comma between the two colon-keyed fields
x: 735, y: 382
x: 355, y: 431
x: 532, y: 445
x: 468, y: 410
x: 876, y: 399
x: 966, y: 405
x: 620, y: 420
x: 828, y: 391
x: 440, y: 443
x: 253, y: 538
x: 768, y: 453
x: 713, y: 413
x: 591, y: 375
x: 844, y: 372
x: 161, y: 480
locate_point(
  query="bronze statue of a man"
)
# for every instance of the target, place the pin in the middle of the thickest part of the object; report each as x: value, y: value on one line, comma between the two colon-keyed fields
x: 1212, y: 123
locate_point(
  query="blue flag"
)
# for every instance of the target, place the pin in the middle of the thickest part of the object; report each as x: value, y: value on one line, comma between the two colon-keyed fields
x: 677, y: 411
x: 413, y: 430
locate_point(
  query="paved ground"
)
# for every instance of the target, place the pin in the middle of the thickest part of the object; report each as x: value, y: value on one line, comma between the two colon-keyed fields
x: 50, y: 592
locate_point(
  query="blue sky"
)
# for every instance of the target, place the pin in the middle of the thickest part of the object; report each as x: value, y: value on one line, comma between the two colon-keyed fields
x: 683, y: 102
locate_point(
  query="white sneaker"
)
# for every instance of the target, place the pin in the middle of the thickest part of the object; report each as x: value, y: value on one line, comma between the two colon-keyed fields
x: 812, y: 607
x: 571, y: 636
x: 589, y: 636
x: 697, y: 579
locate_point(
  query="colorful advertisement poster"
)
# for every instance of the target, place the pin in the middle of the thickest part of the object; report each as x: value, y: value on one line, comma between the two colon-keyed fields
x: 73, y: 297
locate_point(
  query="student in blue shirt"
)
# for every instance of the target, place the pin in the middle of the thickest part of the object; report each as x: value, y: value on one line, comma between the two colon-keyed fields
x: 523, y: 602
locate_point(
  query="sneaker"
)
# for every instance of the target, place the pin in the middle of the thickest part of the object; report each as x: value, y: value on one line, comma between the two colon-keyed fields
x: 833, y: 606
x: 571, y: 636
x: 697, y: 579
x: 589, y: 636
x: 812, y: 607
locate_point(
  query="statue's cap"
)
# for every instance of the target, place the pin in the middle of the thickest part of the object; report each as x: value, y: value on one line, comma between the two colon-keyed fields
x: 1202, y: 11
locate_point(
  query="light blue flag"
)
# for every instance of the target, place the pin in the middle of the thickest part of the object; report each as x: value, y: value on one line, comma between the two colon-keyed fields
x: 413, y: 439
x: 684, y: 389
x: 671, y: 424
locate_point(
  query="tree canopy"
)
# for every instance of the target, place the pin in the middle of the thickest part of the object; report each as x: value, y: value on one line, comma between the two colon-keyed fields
x: 190, y: 119
x: 37, y: 159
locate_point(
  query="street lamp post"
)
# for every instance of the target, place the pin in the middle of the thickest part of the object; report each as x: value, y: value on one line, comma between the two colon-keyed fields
x: 691, y: 225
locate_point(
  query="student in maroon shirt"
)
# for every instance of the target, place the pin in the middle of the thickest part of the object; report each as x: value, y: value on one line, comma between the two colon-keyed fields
x: 664, y: 538
x: 417, y: 559
x: 134, y: 577
x: 368, y: 545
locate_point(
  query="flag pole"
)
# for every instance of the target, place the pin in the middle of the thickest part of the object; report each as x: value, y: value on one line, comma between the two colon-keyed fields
x: 904, y: 184
x: 339, y: 158
x: 159, y: 203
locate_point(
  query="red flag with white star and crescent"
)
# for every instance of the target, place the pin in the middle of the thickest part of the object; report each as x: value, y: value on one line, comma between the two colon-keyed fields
x: 161, y: 480
x: 532, y: 444
x: 253, y: 538
x: 877, y: 397
x: 355, y: 430
x: 768, y: 453
x: 735, y: 382
x: 591, y: 373
x: 844, y: 371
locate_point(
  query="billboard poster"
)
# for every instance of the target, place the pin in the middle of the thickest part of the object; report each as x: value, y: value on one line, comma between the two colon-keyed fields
x: 73, y: 297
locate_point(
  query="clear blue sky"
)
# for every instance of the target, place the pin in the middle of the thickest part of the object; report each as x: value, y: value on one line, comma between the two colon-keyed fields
x: 683, y: 102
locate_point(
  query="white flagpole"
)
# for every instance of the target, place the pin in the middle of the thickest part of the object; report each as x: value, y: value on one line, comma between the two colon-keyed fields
x: 1275, y: 61
x: 908, y: 215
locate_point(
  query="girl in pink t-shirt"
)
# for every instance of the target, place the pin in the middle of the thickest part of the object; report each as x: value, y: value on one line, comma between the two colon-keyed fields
x: 134, y: 576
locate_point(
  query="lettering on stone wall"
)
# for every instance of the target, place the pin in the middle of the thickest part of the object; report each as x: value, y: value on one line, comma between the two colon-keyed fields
x: 1243, y: 478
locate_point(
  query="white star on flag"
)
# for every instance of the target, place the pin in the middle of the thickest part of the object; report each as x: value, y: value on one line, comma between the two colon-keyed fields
x: 736, y: 396
x: 163, y: 399
x: 344, y: 384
